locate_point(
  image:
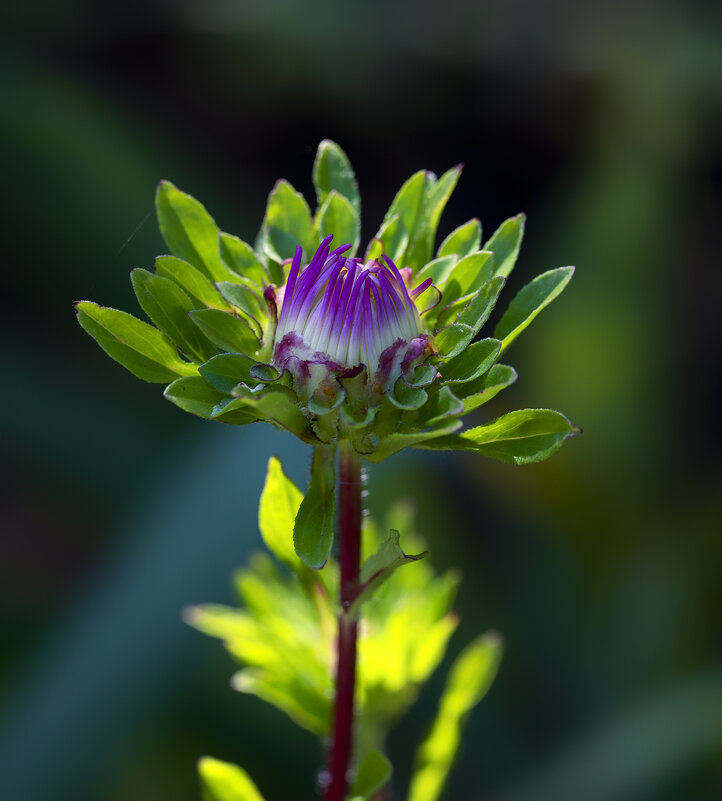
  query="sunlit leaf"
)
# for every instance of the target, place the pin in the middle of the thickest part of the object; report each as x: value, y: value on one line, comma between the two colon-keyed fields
x: 373, y: 773
x: 380, y: 566
x: 192, y: 281
x: 227, y: 331
x: 313, y: 529
x: 242, y: 259
x: 471, y: 363
x: 483, y: 389
x: 222, y: 781
x: 338, y: 217
x: 139, y: 347
x: 462, y: 241
x: 287, y: 223
x: 194, y: 395
x: 332, y: 171
x: 470, y: 677
x: 280, y: 501
x: 395, y: 442
x: 505, y: 243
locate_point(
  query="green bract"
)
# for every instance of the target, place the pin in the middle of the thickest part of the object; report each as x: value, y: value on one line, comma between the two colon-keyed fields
x: 214, y: 307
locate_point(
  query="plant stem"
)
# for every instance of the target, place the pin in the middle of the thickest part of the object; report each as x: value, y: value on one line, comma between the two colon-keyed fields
x: 349, y: 532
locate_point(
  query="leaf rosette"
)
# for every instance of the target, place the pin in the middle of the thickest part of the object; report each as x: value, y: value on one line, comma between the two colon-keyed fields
x: 382, y: 350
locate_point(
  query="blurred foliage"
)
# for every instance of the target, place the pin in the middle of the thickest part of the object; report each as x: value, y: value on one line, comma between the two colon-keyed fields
x: 604, y: 123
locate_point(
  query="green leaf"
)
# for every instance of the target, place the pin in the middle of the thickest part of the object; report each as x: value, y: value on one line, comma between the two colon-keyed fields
x: 469, y: 275
x: 477, y: 310
x: 436, y: 195
x: 248, y: 302
x: 194, y: 395
x: 471, y: 362
x: 521, y: 437
x: 452, y: 339
x: 462, y: 241
x: 373, y: 773
x: 391, y: 240
x: 280, y: 501
x: 139, y: 347
x: 227, y: 370
x: 332, y: 171
x: 241, y: 258
x: 532, y: 298
x: 438, y: 270
x: 443, y: 404
x: 167, y: 305
x: 408, y: 205
x: 287, y: 223
x: 192, y: 281
x: 505, y: 243
x: 277, y: 405
x: 478, y: 392
x: 407, y: 397
x: 393, y: 443
x: 228, y: 332
x: 379, y: 567
x: 338, y: 217
x: 222, y: 781
x: 313, y: 529
x: 189, y: 230
x: 470, y: 677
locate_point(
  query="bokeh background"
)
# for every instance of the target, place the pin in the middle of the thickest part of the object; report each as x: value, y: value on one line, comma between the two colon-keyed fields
x: 602, y: 121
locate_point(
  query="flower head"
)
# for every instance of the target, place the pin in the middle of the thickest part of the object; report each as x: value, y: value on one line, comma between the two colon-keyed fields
x: 345, y: 316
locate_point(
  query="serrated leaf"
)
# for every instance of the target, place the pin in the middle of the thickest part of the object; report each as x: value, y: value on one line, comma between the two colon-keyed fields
x: 532, y: 298
x: 313, y: 529
x: 373, y: 773
x: 223, y: 781
x: 505, y: 243
x: 242, y: 260
x: 483, y: 389
x: 391, y: 240
x: 332, y: 171
x: 471, y: 363
x: 287, y: 222
x: 338, y: 217
x: 192, y: 281
x: 477, y: 310
x: 225, y: 330
x: 227, y: 370
x: 280, y: 501
x: 167, y: 305
x: 395, y: 442
x: 139, y: 347
x: 381, y: 566
x: 452, y: 339
x: 470, y: 677
x: 521, y: 437
x: 189, y: 230
x: 462, y: 241
x: 194, y: 395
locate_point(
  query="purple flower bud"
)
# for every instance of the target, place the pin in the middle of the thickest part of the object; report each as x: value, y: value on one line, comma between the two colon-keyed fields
x: 344, y: 314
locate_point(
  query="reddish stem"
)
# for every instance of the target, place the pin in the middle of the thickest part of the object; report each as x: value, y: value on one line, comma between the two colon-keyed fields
x: 349, y: 531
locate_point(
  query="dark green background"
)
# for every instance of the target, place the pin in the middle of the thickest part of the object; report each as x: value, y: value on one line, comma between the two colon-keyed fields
x: 602, y: 567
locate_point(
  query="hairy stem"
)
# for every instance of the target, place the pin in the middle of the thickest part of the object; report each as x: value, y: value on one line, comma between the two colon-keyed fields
x: 349, y: 532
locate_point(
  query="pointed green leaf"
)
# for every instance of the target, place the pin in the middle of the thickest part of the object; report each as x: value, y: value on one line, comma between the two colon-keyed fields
x: 139, y: 347
x: 462, y: 241
x: 532, y: 298
x: 472, y: 362
x: 505, y: 243
x: 409, y: 204
x: 379, y: 567
x: 478, y: 392
x: 227, y: 331
x: 452, y: 339
x: 287, y: 222
x: 222, y: 781
x: 194, y: 395
x: 313, y: 529
x: 521, y: 437
x: 477, y: 310
x: 192, y: 281
x: 436, y: 195
x: 470, y: 677
x: 438, y: 270
x: 332, y: 171
x: 391, y: 240
x: 338, y: 217
x: 280, y: 501
x: 395, y: 442
x: 189, y: 230
x: 469, y: 275
x: 167, y: 305
x: 242, y: 260
x: 373, y: 773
